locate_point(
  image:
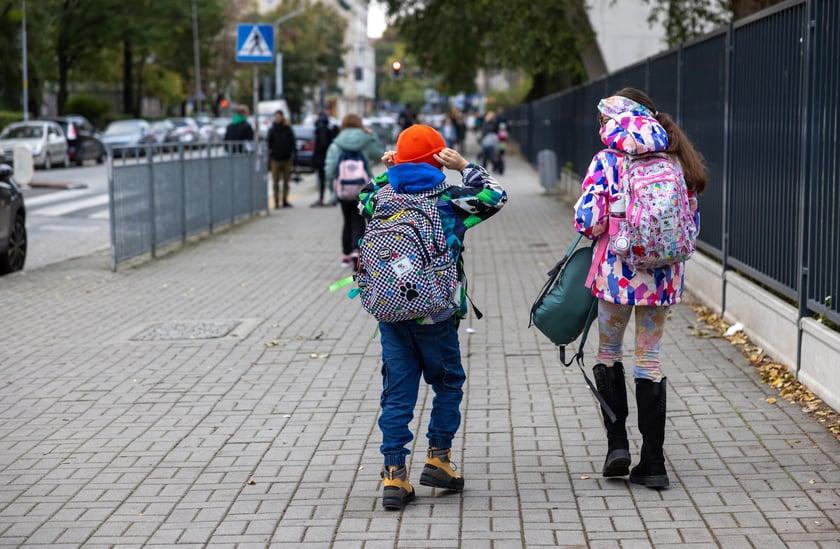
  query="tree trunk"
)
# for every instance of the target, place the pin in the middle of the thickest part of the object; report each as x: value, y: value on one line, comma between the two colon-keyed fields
x: 64, y: 62
x: 128, y: 77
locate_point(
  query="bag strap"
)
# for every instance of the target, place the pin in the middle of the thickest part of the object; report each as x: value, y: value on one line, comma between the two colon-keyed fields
x: 578, y: 358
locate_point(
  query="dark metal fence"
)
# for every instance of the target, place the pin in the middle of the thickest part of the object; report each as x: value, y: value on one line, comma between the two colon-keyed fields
x: 159, y: 196
x: 759, y: 99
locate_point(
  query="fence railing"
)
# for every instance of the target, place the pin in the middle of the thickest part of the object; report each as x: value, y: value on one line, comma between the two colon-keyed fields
x: 160, y: 195
x: 759, y: 100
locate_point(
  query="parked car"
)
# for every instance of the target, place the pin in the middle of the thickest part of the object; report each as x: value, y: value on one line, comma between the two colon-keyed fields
x: 385, y: 128
x: 43, y: 137
x: 186, y: 129
x: 305, y: 138
x: 12, y: 223
x: 84, y: 142
x: 165, y: 137
x: 221, y: 124
x: 128, y: 137
x: 207, y: 131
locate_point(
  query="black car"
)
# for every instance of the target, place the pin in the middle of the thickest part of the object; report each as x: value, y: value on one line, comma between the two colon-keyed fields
x: 12, y: 223
x: 305, y: 138
x: 84, y: 142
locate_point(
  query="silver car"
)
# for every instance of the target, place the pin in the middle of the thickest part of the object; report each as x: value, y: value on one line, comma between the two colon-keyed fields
x: 45, y: 139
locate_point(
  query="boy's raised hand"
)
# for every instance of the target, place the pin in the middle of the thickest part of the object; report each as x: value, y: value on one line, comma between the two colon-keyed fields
x: 388, y: 159
x: 450, y: 158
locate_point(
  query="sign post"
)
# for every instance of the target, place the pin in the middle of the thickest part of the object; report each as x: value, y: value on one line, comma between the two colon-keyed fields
x: 255, y: 44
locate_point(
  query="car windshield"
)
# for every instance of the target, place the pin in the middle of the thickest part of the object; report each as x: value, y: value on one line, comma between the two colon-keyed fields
x: 125, y: 127
x: 23, y: 132
x: 160, y: 126
x: 180, y: 122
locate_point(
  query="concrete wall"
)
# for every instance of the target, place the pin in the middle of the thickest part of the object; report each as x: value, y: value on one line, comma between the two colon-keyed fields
x: 771, y: 323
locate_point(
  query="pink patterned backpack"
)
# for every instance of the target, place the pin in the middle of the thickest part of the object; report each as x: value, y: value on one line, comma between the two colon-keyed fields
x: 659, y: 224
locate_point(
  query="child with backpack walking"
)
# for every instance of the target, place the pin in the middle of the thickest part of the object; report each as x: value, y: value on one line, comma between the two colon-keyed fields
x: 348, y: 162
x: 639, y: 202
x: 411, y: 278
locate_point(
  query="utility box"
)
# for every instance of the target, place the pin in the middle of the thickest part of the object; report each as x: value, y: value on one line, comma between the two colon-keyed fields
x: 547, y: 166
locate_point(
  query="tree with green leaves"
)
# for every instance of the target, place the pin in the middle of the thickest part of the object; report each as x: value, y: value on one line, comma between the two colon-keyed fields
x: 687, y: 19
x: 546, y: 41
x: 312, y: 45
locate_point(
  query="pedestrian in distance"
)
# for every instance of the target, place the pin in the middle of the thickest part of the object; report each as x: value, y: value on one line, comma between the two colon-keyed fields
x: 323, y: 137
x: 632, y: 129
x: 281, y: 149
x: 428, y: 346
x: 406, y: 117
x: 489, y: 141
x: 239, y: 133
x: 354, y: 143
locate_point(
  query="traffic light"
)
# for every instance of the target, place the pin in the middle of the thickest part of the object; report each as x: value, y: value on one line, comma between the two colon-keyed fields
x: 396, y: 69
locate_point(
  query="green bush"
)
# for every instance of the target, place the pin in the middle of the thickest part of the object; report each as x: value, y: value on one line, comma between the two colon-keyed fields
x: 90, y: 107
x: 7, y: 117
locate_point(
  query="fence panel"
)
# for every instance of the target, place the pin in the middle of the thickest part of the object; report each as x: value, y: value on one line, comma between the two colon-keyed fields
x: 703, y: 105
x: 663, y: 83
x: 164, y: 197
x: 766, y: 131
x: 130, y: 201
x: 823, y: 291
x: 169, y: 201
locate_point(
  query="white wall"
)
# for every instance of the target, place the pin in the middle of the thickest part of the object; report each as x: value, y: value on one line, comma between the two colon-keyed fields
x: 623, y: 33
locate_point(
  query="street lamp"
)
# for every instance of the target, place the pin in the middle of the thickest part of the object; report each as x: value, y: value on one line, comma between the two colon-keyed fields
x: 278, y: 67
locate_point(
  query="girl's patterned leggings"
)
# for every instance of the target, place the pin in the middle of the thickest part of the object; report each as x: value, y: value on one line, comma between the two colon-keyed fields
x: 650, y: 325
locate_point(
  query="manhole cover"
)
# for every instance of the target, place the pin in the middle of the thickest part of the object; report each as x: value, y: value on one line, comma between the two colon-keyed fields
x: 187, y: 330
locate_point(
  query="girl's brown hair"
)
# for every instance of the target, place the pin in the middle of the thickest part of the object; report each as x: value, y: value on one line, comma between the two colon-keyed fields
x: 692, y: 161
x: 351, y: 121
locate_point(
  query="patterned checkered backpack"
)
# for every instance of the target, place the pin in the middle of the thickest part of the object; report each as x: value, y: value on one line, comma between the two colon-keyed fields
x: 660, y: 226
x: 405, y: 269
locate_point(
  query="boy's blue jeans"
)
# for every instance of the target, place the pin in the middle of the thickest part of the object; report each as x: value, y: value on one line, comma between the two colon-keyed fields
x: 410, y: 349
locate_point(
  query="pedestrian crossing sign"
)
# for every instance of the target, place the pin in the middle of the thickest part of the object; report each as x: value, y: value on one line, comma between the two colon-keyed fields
x: 255, y: 43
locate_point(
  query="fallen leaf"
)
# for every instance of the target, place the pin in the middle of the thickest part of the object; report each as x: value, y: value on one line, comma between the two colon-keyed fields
x: 251, y: 481
x: 584, y: 477
x: 771, y: 400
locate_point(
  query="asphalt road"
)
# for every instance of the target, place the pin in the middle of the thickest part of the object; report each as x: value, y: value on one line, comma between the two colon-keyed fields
x: 70, y: 217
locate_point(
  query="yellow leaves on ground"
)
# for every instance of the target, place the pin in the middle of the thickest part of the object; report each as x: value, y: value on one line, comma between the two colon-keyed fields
x: 770, y: 372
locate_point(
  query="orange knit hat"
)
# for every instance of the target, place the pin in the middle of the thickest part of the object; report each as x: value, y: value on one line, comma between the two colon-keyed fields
x: 416, y: 144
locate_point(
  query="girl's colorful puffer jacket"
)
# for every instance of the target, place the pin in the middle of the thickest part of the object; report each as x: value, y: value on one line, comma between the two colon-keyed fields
x: 630, y: 128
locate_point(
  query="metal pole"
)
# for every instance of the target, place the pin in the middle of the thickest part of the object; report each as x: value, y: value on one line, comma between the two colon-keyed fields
x: 199, y: 96
x: 278, y: 76
x: 256, y: 101
x: 25, y: 69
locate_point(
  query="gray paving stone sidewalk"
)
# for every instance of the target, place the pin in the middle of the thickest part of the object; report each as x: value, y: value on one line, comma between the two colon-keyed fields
x: 267, y: 436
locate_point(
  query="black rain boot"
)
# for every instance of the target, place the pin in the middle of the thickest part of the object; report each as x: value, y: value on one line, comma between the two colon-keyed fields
x: 610, y: 383
x: 650, y: 399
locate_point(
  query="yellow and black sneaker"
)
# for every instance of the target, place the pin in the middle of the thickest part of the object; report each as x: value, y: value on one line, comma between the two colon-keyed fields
x: 396, y: 491
x: 439, y: 471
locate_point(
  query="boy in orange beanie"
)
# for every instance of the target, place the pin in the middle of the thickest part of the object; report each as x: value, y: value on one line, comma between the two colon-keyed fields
x: 427, y: 345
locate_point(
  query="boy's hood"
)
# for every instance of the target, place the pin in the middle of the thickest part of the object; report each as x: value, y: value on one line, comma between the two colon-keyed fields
x: 631, y: 127
x: 414, y: 178
x: 353, y: 139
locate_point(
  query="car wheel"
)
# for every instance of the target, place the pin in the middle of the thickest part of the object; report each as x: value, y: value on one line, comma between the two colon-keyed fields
x: 103, y: 156
x: 47, y: 161
x: 15, y: 255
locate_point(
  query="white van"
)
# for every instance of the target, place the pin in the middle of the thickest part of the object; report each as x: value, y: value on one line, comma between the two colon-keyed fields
x: 265, y: 114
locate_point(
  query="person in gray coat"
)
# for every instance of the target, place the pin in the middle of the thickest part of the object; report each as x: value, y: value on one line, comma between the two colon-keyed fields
x: 352, y: 137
